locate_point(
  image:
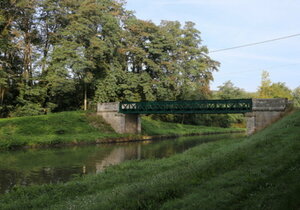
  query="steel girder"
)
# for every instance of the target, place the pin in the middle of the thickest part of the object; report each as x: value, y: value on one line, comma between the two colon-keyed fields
x: 185, y: 107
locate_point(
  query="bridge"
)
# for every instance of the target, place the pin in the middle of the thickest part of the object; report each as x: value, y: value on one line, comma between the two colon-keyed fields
x: 187, y: 107
x: 124, y: 117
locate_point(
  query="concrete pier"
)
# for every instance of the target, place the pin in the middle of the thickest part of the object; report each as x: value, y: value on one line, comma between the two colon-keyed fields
x: 265, y: 112
x: 121, y: 123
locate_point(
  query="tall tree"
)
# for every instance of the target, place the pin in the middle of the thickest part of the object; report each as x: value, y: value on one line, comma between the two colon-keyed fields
x: 168, y: 59
x: 296, y: 97
x: 90, y: 40
x: 268, y: 89
x: 229, y: 91
x: 10, y: 58
x: 264, y: 89
x: 193, y: 67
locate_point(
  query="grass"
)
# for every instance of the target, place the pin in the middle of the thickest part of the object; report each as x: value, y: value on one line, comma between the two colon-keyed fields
x: 257, y: 172
x: 78, y: 127
x: 153, y: 127
x: 64, y: 127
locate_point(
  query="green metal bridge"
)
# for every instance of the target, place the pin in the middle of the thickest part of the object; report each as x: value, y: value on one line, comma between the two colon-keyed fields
x: 187, y: 107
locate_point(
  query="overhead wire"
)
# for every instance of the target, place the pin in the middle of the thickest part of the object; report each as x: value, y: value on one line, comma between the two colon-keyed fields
x: 255, y: 43
x: 260, y: 69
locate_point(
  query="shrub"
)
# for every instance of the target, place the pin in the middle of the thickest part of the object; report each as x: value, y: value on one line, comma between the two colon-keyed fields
x: 29, y: 109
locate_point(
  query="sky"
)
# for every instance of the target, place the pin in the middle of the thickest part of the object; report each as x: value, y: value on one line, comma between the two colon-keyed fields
x: 229, y: 23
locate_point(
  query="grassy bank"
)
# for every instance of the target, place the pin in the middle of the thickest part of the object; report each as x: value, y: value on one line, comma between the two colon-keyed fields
x: 153, y: 127
x: 258, y: 172
x: 78, y: 127
x: 64, y: 127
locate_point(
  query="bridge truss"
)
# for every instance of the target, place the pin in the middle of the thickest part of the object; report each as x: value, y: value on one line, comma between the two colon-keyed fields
x: 187, y: 107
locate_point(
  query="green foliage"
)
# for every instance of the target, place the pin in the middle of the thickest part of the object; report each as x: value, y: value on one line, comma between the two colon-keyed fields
x: 257, y: 172
x: 29, y: 109
x: 217, y: 120
x: 229, y: 91
x: 159, y: 65
x: 156, y: 127
x: 226, y: 91
x: 296, y: 97
x: 67, y: 53
x: 273, y: 90
x: 280, y: 90
x: 124, y: 86
x: 211, y: 120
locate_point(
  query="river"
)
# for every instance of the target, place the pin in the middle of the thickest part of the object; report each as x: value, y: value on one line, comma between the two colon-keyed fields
x: 40, y: 166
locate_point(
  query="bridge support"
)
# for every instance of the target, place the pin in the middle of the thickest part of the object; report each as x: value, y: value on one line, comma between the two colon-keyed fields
x: 265, y: 112
x: 121, y: 123
x: 262, y: 113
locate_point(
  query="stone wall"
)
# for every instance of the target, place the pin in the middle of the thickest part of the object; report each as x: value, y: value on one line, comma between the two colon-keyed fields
x: 121, y: 123
x: 269, y: 104
x: 265, y: 112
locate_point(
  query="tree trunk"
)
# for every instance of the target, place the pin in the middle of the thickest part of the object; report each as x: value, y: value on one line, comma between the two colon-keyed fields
x: 85, y: 97
x: 2, y: 90
x: 46, y: 49
x: 27, y: 59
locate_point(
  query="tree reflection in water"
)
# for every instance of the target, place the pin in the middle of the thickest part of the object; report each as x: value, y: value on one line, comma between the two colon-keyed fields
x: 27, y: 167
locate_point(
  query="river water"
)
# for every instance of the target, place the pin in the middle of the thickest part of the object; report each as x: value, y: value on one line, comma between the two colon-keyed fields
x: 39, y: 166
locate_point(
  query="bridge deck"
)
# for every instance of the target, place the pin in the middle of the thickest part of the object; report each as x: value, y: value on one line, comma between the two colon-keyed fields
x: 184, y: 107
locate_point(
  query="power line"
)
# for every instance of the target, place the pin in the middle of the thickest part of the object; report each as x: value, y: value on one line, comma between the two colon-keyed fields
x: 255, y: 43
x: 260, y: 69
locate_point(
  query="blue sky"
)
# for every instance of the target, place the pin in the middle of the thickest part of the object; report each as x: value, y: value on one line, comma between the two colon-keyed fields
x: 228, y: 23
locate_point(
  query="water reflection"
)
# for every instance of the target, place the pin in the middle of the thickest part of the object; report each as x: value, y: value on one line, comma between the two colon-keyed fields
x: 28, y: 167
x: 119, y: 155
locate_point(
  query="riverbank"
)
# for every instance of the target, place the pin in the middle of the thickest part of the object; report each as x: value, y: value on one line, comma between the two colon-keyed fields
x: 77, y: 128
x: 257, y: 172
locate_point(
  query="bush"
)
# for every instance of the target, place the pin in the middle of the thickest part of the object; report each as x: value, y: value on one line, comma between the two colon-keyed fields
x: 215, y: 120
x: 29, y: 109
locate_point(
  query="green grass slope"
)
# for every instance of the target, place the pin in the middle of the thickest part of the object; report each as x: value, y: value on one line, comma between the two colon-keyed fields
x: 258, y: 172
x: 63, y: 127
x: 80, y: 127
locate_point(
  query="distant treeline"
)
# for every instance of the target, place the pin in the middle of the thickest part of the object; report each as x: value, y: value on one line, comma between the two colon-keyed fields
x: 60, y: 55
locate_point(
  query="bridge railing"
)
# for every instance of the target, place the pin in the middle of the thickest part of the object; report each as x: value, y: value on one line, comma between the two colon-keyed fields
x: 184, y: 107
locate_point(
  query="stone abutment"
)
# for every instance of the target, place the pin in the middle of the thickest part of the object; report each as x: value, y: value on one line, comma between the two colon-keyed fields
x: 121, y: 123
x: 265, y: 112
